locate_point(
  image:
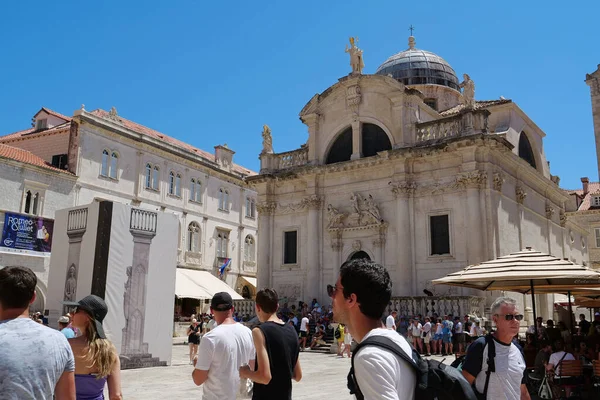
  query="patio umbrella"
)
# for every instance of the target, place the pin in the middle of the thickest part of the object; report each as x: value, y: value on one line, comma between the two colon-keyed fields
x: 526, y: 272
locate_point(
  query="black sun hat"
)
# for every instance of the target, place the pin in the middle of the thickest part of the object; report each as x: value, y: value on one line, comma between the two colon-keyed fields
x: 95, y: 307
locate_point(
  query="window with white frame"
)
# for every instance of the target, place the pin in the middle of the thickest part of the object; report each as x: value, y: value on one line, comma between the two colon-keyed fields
x: 156, y: 178
x: 148, y: 179
x: 105, y: 167
x: 595, y: 201
x: 178, y: 185
x: 249, y: 249
x: 222, y: 242
x: 597, y: 232
x: 194, y: 237
x: 250, y: 207
x: 195, y: 190
x: 223, y: 199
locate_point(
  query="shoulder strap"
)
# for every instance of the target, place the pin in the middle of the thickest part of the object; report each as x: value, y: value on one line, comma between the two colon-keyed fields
x: 385, y: 343
x: 561, y: 360
x: 489, y: 340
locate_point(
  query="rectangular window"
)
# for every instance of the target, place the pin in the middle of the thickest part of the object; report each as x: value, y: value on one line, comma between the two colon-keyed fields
x: 41, y: 124
x: 290, y: 247
x: 596, y: 201
x: 440, y: 234
x: 597, y: 232
x: 59, y: 161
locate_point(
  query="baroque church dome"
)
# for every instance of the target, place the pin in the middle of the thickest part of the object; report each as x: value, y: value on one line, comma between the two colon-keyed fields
x: 419, y: 67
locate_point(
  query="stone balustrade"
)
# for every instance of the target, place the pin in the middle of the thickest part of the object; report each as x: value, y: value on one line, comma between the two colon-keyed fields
x: 465, y: 123
x: 243, y: 307
x: 440, y: 305
x: 281, y: 161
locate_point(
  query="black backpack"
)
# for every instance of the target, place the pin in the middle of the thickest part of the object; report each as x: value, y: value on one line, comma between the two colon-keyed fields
x: 435, y: 380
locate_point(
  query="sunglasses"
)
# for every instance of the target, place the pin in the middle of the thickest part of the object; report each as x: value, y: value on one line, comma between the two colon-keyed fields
x: 331, y: 290
x: 510, y: 317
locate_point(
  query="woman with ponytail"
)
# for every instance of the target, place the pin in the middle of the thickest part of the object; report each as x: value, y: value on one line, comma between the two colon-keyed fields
x: 96, y: 359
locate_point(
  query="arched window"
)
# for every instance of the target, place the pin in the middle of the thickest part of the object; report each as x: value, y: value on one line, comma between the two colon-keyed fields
x: 148, y: 176
x: 374, y: 140
x: 226, y: 200
x: 221, y: 195
x: 171, y: 182
x: 104, y: 168
x: 248, y: 206
x: 156, y: 178
x: 114, y: 158
x: 195, y: 190
x: 193, y: 237
x: 222, y: 242
x: 27, y: 206
x: 178, y: 185
x: 341, y: 150
x: 525, y: 150
x: 249, y: 249
x: 36, y: 200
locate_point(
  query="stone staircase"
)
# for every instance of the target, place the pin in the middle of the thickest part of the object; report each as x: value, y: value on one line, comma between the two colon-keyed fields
x: 140, y: 361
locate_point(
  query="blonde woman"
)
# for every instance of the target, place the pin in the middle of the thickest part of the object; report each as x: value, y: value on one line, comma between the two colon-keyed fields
x: 193, y: 333
x: 96, y: 359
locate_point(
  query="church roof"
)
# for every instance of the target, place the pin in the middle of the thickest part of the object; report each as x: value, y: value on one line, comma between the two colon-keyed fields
x: 479, y: 105
x: 419, y: 67
x: 24, y: 156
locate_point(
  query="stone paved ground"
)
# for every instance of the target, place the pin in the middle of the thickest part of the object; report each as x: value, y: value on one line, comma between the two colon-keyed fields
x: 324, y: 376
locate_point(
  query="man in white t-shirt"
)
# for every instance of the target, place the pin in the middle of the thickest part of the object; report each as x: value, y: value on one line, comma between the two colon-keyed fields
x: 222, y: 352
x: 360, y: 295
x: 303, y: 332
x: 390, y: 321
x: 509, y: 376
x: 427, y: 336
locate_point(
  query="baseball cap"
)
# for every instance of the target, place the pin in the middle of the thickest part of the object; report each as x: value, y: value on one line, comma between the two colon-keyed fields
x: 63, y: 320
x: 95, y: 307
x: 221, y: 301
x: 597, y: 314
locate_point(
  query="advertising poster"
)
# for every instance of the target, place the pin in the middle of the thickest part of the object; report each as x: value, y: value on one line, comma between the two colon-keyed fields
x: 26, y: 234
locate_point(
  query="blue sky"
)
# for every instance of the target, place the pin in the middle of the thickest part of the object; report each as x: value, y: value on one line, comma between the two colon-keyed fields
x: 214, y: 72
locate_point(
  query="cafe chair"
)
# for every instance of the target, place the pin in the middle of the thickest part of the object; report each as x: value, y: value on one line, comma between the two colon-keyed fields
x: 571, y: 376
x: 596, y: 378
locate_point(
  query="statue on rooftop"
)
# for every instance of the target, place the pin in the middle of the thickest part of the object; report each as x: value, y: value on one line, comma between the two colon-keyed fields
x: 267, y: 140
x: 356, y: 57
x: 468, y: 87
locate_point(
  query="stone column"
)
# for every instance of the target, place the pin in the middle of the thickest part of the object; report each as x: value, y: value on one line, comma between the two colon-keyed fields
x: 265, y: 259
x: 312, y: 122
x: 76, y: 227
x: 337, y: 245
x: 593, y: 81
x: 142, y: 226
x: 356, y: 140
x: 313, y: 267
x: 403, y: 191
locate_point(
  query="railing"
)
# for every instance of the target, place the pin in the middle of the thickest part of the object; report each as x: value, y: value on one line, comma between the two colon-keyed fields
x: 243, y: 307
x: 440, y: 305
x: 294, y: 158
x: 143, y: 221
x: 77, y: 220
x: 465, y: 123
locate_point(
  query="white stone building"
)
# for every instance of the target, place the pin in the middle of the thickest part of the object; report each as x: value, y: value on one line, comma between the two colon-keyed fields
x: 403, y: 168
x: 115, y: 159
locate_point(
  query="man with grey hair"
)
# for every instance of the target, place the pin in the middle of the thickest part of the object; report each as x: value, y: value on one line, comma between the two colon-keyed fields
x: 494, y: 365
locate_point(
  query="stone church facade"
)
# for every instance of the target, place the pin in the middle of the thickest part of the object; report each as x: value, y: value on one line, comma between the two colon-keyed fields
x: 405, y: 169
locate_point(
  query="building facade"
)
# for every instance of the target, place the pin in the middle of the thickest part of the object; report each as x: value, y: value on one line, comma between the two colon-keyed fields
x: 112, y: 158
x: 403, y: 168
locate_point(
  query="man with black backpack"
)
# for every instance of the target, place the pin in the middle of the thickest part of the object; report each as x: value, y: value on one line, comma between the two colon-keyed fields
x: 494, y: 364
x: 384, y: 365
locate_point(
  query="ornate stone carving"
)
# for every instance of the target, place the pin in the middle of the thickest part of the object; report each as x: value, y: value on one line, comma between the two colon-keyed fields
x: 311, y: 202
x: 335, y: 217
x: 71, y: 284
x: 563, y: 218
x: 356, y: 245
x: 379, y: 242
x: 336, y: 239
x: 498, y: 181
x: 468, y: 87
x: 356, y: 57
x: 267, y: 140
x: 549, y: 211
x: 400, y: 189
x: 290, y: 291
x: 364, y: 212
x: 353, y: 98
x: 113, y: 115
x: 267, y: 208
x: 474, y: 179
x: 520, y: 194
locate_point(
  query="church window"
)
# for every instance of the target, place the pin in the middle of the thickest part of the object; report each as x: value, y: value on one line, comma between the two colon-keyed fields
x: 597, y: 233
x: 374, y: 140
x: 194, y: 237
x: 104, y: 169
x: 595, y: 201
x: 525, y: 150
x: 431, y: 103
x: 341, y: 150
x: 290, y: 247
x: 222, y: 241
x: 440, y: 234
x: 249, y: 250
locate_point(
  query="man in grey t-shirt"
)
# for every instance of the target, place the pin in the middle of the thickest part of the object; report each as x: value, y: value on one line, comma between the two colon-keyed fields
x: 36, y: 362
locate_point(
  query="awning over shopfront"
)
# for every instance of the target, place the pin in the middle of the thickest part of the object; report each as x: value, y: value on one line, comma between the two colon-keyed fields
x: 200, y: 285
x: 251, y: 281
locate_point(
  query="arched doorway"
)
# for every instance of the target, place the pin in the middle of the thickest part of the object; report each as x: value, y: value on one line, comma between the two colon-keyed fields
x: 360, y: 255
x: 341, y: 150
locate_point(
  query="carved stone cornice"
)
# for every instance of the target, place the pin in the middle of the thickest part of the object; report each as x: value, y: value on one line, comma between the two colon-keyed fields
x: 266, y: 208
x: 549, y: 211
x: 498, y: 181
x: 473, y: 179
x: 403, y: 189
x: 435, y: 187
x: 313, y: 202
x: 520, y: 194
x: 563, y: 218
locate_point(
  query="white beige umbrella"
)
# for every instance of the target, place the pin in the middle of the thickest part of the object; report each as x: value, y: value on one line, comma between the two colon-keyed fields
x: 525, y: 272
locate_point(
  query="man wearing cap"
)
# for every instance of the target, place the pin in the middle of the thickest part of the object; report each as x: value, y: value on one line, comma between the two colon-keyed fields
x: 36, y: 362
x: 222, y: 352
x: 63, y: 327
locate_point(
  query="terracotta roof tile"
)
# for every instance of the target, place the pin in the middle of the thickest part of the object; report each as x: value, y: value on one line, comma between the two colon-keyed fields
x: 32, y: 132
x: 51, y: 112
x: 593, y: 189
x: 24, y: 156
x: 209, y: 157
x: 479, y: 105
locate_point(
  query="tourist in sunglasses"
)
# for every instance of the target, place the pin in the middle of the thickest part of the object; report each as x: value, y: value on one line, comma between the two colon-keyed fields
x: 506, y: 377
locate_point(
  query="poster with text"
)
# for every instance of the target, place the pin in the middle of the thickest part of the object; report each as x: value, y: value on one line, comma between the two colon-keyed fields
x: 26, y: 234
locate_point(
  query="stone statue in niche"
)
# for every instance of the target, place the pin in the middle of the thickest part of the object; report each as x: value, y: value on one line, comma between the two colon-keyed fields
x: 71, y: 284
x: 267, y: 140
x: 127, y: 295
x: 356, y: 57
x: 468, y: 87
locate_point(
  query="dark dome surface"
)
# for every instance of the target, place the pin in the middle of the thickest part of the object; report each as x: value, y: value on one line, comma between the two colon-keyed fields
x: 419, y: 67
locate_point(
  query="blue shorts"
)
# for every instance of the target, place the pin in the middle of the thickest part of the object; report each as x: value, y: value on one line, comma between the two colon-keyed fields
x: 447, y: 339
x: 437, y: 336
